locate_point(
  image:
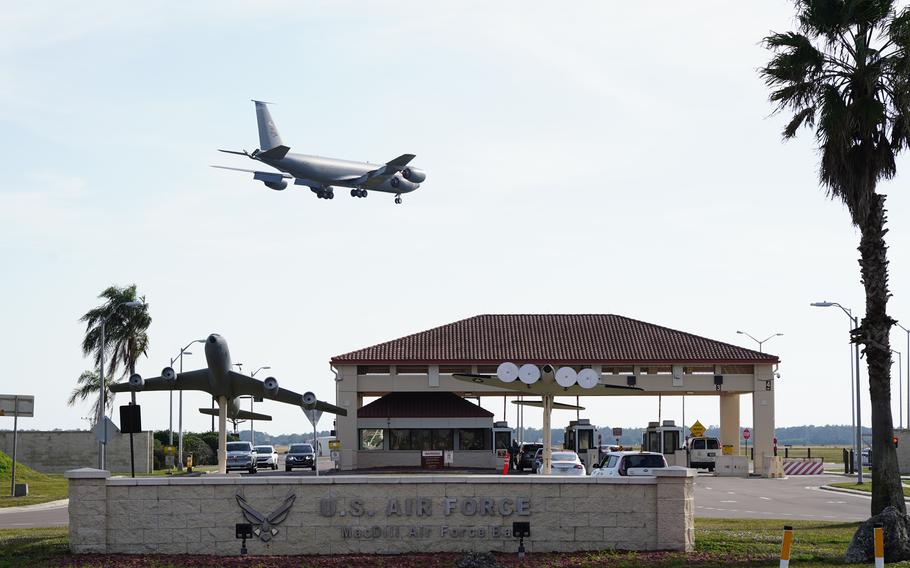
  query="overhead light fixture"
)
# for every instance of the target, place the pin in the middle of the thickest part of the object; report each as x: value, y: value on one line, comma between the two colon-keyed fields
x: 718, y: 382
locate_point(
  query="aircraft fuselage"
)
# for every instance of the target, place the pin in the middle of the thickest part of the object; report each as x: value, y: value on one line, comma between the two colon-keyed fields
x: 318, y: 171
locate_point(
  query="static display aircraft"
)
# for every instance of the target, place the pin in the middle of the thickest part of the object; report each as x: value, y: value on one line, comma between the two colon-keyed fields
x: 225, y: 385
x: 321, y: 174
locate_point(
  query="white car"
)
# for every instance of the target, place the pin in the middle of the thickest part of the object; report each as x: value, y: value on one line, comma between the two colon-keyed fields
x: 266, y: 456
x: 564, y: 462
x: 621, y: 464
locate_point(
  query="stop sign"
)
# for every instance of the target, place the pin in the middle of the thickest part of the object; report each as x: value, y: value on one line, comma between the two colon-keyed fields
x: 746, y: 434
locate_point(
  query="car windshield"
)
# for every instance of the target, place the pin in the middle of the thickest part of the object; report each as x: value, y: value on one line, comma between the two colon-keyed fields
x: 238, y: 446
x: 645, y: 460
x: 263, y: 449
x: 301, y: 449
x: 564, y: 456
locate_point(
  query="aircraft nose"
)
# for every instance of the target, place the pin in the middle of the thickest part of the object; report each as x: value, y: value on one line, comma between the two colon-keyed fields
x: 213, y: 338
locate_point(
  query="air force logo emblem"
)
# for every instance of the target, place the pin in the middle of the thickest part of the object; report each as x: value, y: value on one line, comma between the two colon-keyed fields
x: 264, y: 525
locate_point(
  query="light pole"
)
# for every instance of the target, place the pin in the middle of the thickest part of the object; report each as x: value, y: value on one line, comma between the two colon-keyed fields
x: 900, y: 395
x: 908, y: 371
x: 183, y: 352
x: 859, y: 420
x: 102, y: 388
x: 253, y: 398
x: 760, y: 342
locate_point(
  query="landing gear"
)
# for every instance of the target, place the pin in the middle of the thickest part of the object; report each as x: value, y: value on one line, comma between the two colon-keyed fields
x: 398, y: 199
x: 323, y: 194
x: 358, y: 193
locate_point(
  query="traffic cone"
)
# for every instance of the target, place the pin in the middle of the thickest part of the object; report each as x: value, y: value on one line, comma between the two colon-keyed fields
x: 505, y: 465
x: 785, y: 548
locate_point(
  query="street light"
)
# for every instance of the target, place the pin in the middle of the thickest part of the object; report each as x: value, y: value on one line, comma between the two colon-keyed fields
x: 179, y: 357
x: 859, y: 421
x: 761, y: 341
x: 252, y: 398
x: 103, y: 394
x: 908, y: 371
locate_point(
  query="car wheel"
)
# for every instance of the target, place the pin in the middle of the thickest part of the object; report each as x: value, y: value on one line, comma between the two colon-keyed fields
x: 253, y: 469
x: 313, y: 468
x: 287, y: 469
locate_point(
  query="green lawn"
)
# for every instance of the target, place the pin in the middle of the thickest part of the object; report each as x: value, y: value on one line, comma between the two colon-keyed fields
x: 719, y: 543
x: 41, y: 487
x: 866, y: 486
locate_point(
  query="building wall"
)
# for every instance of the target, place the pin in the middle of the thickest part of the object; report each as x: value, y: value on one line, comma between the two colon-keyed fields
x: 59, y: 451
x: 353, y: 514
x: 411, y: 458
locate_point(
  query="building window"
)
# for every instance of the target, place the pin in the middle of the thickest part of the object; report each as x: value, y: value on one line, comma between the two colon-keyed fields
x: 373, y: 370
x: 443, y: 439
x: 487, y: 369
x: 371, y: 438
x: 474, y: 439
x: 450, y: 369
x: 421, y: 440
x: 412, y: 369
x: 399, y: 439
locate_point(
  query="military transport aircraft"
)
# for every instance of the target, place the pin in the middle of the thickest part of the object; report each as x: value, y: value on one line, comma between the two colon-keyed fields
x: 319, y: 173
x: 225, y: 385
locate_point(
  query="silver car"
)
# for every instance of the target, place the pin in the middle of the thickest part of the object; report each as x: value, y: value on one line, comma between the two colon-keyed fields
x: 240, y: 455
x: 266, y: 456
x: 564, y: 462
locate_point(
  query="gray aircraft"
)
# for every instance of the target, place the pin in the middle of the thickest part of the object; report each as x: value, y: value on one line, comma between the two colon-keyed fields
x: 225, y: 385
x: 321, y: 174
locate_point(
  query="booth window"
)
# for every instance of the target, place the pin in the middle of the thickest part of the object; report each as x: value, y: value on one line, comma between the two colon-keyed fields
x: 399, y: 439
x: 443, y: 439
x: 473, y: 439
x: 371, y: 438
x: 671, y: 441
x: 421, y: 440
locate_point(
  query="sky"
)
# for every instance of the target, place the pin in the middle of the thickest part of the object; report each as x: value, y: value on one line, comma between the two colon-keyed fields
x: 603, y: 157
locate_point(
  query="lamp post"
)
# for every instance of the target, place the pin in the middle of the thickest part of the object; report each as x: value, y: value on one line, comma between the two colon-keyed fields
x: 760, y: 342
x: 253, y: 398
x: 907, y: 331
x: 179, y: 357
x: 102, y: 388
x: 859, y: 421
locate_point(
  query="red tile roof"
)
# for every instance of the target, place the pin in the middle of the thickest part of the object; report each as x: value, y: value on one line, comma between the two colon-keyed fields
x: 553, y: 338
x: 422, y: 405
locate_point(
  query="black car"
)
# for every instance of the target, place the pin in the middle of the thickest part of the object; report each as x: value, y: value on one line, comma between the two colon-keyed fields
x: 526, y: 456
x: 300, y: 455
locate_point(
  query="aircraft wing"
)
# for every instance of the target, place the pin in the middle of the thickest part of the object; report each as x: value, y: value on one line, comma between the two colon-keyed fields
x: 389, y: 169
x: 331, y: 408
x: 265, y: 176
x: 190, y: 380
x: 245, y: 385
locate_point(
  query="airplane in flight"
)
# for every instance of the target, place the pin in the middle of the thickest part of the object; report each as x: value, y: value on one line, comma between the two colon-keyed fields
x: 225, y: 385
x: 321, y: 174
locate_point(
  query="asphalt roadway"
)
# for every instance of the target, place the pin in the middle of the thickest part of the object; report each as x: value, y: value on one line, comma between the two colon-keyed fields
x: 797, y: 497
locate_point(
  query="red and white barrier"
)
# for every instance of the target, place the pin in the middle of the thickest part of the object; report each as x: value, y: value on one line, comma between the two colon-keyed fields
x: 809, y: 466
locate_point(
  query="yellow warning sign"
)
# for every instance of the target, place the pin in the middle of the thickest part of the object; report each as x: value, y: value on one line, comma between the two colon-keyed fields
x: 697, y: 429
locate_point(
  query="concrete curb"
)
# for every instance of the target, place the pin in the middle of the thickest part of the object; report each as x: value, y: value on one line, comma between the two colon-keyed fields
x: 37, y: 507
x: 852, y: 492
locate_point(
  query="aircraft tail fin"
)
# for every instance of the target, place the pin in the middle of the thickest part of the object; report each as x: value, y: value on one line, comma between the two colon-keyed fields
x: 268, y: 132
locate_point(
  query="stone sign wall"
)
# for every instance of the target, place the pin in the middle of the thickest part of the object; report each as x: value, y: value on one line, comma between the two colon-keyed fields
x: 56, y: 451
x: 378, y: 514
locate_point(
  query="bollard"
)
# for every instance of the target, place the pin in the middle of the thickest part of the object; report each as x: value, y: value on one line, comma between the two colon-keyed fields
x: 505, y: 466
x: 879, y: 546
x: 846, y: 462
x: 785, y: 548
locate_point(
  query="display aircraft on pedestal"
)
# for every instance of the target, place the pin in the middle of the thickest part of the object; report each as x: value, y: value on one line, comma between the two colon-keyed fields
x: 320, y: 174
x: 225, y: 385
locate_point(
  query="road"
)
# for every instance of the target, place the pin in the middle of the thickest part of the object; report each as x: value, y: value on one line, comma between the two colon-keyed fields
x: 53, y: 514
x: 797, y: 497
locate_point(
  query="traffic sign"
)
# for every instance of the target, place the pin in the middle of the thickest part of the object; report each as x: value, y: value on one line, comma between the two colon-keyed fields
x: 697, y: 429
x: 105, y: 431
x: 313, y: 416
x: 17, y: 405
x: 746, y: 434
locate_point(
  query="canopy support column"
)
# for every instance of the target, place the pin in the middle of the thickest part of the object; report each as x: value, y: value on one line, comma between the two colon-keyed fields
x: 547, y: 435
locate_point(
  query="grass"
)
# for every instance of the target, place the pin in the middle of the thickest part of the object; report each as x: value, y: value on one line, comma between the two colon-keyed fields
x: 866, y: 486
x: 42, y: 487
x: 719, y: 543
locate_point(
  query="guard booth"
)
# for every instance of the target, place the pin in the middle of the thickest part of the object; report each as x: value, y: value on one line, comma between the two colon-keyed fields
x: 667, y: 439
x: 502, y: 439
x: 579, y: 437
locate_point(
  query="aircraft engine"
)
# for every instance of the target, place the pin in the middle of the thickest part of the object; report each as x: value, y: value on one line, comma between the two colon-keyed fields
x: 136, y: 382
x: 276, y: 185
x: 270, y: 386
x: 400, y: 185
x: 168, y: 374
x: 413, y: 174
x: 309, y: 400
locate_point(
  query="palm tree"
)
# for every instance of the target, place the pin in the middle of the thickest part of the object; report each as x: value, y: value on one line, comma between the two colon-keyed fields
x: 125, y: 334
x: 846, y: 75
x: 87, y: 388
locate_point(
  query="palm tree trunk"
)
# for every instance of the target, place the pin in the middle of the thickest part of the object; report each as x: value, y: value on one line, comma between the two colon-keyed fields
x: 874, y: 334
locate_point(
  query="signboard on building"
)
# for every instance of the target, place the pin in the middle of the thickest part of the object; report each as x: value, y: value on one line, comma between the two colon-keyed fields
x: 431, y: 459
x: 334, y: 444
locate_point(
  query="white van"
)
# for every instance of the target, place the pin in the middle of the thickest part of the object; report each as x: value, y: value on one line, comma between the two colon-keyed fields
x: 703, y: 452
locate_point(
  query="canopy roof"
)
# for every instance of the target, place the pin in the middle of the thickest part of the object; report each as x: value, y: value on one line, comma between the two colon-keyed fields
x: 553, y: 338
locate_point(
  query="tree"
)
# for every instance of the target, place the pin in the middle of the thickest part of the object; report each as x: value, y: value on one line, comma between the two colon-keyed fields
x: 87, y: 387
x: 125, y: 337
x: 845, y: 74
